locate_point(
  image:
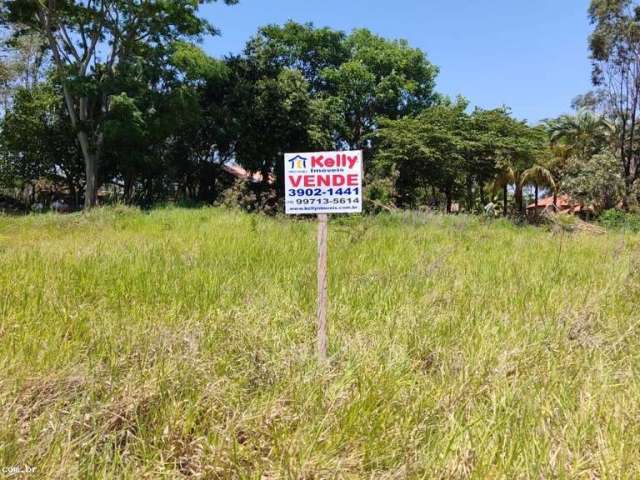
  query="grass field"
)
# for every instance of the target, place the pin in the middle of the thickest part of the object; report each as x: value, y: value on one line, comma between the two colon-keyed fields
x: 181, y: 343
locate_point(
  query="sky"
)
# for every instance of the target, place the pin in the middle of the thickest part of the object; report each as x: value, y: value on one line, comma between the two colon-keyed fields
x: 529, y: 55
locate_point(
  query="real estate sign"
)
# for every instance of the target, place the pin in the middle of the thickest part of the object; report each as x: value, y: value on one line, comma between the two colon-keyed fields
x: 323, y: 182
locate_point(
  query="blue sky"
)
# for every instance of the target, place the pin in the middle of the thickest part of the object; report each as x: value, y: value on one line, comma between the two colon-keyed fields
x: 529, y: 55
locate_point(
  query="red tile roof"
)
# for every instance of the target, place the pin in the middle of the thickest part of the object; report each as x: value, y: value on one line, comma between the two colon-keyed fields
x: 564, y: 203
x: 239, y: 172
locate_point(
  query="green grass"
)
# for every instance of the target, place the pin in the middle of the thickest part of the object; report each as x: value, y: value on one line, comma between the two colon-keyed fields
x: 181, y: 342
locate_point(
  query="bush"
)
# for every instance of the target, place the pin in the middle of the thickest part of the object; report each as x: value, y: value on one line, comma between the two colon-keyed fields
x: 9, y: 205
x: 380, y: 193
x: 251, y: 197
x: 619, y: 220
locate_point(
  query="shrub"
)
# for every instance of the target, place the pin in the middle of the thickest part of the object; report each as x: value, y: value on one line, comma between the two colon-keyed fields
x: 251, y: 197
x: 619, y: 220
x: 380, y: 193
x: 9, y: 205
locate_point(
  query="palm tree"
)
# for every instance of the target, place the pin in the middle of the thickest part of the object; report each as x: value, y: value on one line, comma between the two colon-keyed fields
x: 517, y: 155
x: 538, y: 176
x: 510, y: 176
x: 582, y: 135
x: 502, y: 182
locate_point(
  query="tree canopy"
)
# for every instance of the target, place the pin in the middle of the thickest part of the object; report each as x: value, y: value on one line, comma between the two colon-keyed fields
x: 119, y: 95
x: 98, y: 46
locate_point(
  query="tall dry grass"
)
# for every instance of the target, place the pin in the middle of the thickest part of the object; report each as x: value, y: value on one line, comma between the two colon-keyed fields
x: 180, y: 343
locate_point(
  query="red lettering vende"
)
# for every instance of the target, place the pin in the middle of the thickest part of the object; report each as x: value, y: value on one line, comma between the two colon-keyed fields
x: 324, y: 181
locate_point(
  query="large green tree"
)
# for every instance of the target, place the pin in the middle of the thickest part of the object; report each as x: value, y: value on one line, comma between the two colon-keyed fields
x: 273, y: 114
x: 162, y: 139
x: 615, y: 52
x: 427, y: 152
x: 582, y: 135
x: 596, y: 181
x: 518, y: 147
x: 353, y: 79
x: 92, y: 43
x: 456, y: 153
x: 37, y: 142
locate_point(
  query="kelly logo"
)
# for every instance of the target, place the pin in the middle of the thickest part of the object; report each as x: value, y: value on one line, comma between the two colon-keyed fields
x: 298, y: 162
x: 340, y: 160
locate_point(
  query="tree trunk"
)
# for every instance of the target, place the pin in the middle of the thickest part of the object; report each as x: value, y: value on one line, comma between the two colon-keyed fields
x: 469, y: 194
x: 536, y: 197
x: 520, y: 199
x: 128, y: 183
x: 505, y: 200
x: 91, y: 171
x: 148, y: 192
x: 91, y: 193
x: 631, y: 150
x: 74, y: 193
x: 449, y: 199
x: 47, y: 18
x: 90, y: 156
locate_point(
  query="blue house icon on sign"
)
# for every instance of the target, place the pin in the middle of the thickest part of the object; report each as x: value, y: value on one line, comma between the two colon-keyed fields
x: 298, y: 162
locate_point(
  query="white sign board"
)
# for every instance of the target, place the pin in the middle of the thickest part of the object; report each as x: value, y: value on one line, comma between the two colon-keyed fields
x: 323, y: 182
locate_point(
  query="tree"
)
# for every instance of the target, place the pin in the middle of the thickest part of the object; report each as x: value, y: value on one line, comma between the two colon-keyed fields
x: 382, y: 78
x: 424, y: 151
x: 23, y: 63
x: 538, y: 176
x: 596, y: 182
x: 456, y: 153
x: 352, y: 79
x: 517, y: 147
x: 615, y: 53
x: 173, y: 132
x: 272, y: 113
x: 37, y: 141
x: 92, y: 43
x: 490, y: 140
x: 506, y: 177
x: 582, y: 135
x: 575, y: 140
